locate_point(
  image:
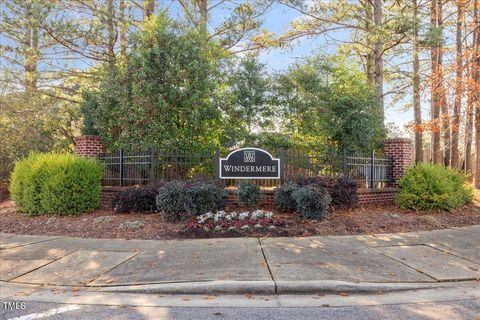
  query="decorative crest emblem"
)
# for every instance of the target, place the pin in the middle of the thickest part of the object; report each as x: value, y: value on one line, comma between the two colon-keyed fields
x: 249, y: 156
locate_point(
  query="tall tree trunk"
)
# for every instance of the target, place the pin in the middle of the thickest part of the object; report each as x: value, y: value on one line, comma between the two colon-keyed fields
x: 148, y: 8
x: 111, y: 31
x: 470, y: 106
x: 442, y: 91
x: 123, y: 30
x: 458, y: 85
x: 203, y: 9
x: 370, y: 58
x: 417, y: 110
x: 31, y: 51
x: 435, y: 105
x: 476, y: 94
x: 378, y: 52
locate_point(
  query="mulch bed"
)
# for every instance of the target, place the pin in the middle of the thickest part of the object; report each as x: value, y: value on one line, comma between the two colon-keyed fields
x: 363, y: 220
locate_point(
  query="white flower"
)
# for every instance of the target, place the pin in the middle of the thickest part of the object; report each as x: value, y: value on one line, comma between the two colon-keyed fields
x: 245, y: 227
x: 208, y: 215
x: 243, y: 215
x: 258, y: 226
x: 201, y: 219
x: 234, y: 215
x: 257, y: 214
x: 220, y: 215
x: 231, y: 228
x: 269, y: 215
x: 218, y: 228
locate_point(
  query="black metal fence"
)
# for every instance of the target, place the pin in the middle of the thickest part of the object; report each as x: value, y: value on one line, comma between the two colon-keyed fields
x: 149, y: 166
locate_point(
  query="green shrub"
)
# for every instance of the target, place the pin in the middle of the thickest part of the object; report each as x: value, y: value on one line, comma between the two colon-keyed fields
x: 174, y: 201
x: 207, y: 197
x: 248, y: 194
x: 137, y: 199
x: 431, y: 187
x: 56, y: 184
x: 283, y: 199
x: 343, y: 190
x: 312, y: 202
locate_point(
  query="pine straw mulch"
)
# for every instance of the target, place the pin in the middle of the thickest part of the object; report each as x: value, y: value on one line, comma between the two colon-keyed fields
x: 363, y: 220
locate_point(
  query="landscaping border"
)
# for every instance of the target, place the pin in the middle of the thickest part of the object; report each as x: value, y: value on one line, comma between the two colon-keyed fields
x: 365, y: 196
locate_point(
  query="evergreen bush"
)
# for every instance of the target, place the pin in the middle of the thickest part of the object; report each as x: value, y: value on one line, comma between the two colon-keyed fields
x: 248, y: 194
x: 54, y: 183
x: 312, y: 202
x: 432, y: 187
x: 139, y: 199
x: 283, y: 200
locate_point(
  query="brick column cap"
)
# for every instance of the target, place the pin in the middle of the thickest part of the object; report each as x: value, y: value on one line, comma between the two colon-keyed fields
x: 398, y: 140
x: 88, y: 137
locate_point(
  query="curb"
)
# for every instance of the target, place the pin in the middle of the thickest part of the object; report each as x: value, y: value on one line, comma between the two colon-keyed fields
x: 335, y: 286
x: 208, y: 287
x: 267, y: 287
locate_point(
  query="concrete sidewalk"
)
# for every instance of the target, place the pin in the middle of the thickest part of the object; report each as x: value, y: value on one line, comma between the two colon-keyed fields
x: 270, y: 265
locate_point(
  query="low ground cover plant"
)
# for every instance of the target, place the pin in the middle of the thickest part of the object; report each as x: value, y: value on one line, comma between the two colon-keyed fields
x: 235, y: 221
x: 432, y: 187
x: 56, y: 183
x: 249, y: 195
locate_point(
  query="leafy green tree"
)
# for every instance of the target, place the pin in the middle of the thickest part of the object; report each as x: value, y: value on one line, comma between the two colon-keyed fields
x: 249, y: 87
x: 326, y: 104
x: 165, y: 95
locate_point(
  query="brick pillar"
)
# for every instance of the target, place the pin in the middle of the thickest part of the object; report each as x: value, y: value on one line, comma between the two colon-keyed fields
x: 401, y: 151
x: 89, y: 146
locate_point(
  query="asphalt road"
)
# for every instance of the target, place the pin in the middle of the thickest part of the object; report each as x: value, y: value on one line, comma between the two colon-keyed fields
x: 463, y: 309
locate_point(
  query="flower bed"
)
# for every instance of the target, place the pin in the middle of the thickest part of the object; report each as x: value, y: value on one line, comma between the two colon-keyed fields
x: 235, y: 221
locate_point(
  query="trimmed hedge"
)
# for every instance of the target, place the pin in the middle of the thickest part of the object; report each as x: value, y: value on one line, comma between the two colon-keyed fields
x: 56, y: 183
x: 432, y: 187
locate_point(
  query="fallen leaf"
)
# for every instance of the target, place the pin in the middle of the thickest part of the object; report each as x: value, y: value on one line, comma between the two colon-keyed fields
x: 209, y: 297
x: 249, y: 296
x: 185, y: 299
x: 344, y: 294
x: 325, y: 305
x: 217, y: 313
